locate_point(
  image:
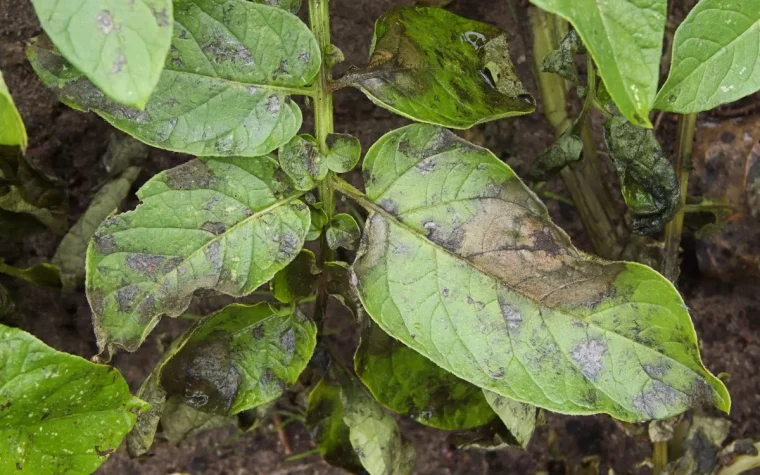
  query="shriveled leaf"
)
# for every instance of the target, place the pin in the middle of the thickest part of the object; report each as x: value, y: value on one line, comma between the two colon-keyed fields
x: 343, y: 232
x: 410, y: 384
x: 714, y: 57
x: 701, y: 447
x: 140, y: 438
x: 562, y: 60
x: 625, y: 39
x: 289, y: 5
x: 6, y: 302
x: 297, y: 280
x: 12, y: 131
x: 71, y: 254
x: 239, y: 358
x: 432, y: 66
x: 344, y: 152
x: 301, y: 160
x: 649, y: 182
x: 739, y: 457
x: 339, y: 286
x: 180, y: 422
x: 564, y: 151
x: 120, y: 46
x: 61, y: 413
x: 519, y: 418
x: 460, y: 262
x: 45, y: 275
x: 222, y: 224
x: 226, y: 84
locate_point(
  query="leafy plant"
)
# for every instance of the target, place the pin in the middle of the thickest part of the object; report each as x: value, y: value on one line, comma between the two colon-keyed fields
x: 474, y: 308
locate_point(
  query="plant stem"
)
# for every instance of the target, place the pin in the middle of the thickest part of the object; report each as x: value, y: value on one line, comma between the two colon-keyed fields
x: 674, y: 229
x: 660, y: 457
x: 319, y: 21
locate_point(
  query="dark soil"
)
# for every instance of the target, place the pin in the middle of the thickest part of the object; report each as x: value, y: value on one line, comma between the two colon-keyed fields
x: 71, y: 144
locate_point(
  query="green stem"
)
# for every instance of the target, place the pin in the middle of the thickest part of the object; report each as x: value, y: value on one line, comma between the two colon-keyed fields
x: 660, y: 457
x: 674, y: 229
x: 319, y: 21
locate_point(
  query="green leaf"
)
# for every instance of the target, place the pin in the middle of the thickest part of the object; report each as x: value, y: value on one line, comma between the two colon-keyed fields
x: 460, y: 262
x: 44, y: 274
x: 625, y: 39
x: 13, y: 131
x: 180, y: 422
x: 519, y: 418
x: 562, y: 60
x: 71, y: 254
x: 7, y: 306
x: 433, y: 66
x: 297, y: 280
x: 14, y: 225
x: 226, y: 84
x: 343, y: 232
x: 565, y: 150
x: 120, y: 46
x: 344, y: 152
x: 649, y: 182
x: 289, y: 5
x: 318, y: 222
x: 241, y: 357
x: 222, y: 224
x: 61, y: 413
x: 714, y: 57
x: 301, y: 160
x: 410, y: 384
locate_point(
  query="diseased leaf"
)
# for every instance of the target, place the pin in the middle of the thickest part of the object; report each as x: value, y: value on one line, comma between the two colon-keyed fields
x: 288, y: 5
x: 701, y: 447
x: 491, y: 437
x: 61, y: 413
x: 519, y: 418
x: 301, y: 160
x: 344, y: 152
x: 239, y: 358
x: 432, y: 66
x: 714, y: 57
x: 318, y: 222
x: 410, y: 384
x: 222, y: 224
x: 649, y: 182
x: 180, y: 422
x: 120, y: 46
x: 565, y: 150
x: 225, y: 89
x: 71, y: 254
x: 460, y: 262
x: 562, y: 60
x: 140, y: 438
x: 343, y: 232
x: 45, y: 275
x: 12, y: 132
x: 339, y: 286
x: 625, y: 39
x: 297, y: 280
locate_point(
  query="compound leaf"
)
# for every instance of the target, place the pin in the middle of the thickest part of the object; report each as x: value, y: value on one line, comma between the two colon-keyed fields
x: 224, y: 224
x: 343, y: 232
x: 344, y: 152
x: 460, y: 262
x: 120, y: 46
x: 60, y: 413
x: 715, y: 54
x: 410, y: 384
x: 12, y: 132
x: 297, y: 280
x: 625, y: 39
x: 226, y: 83
x: 241, y: 357
x: 432, y: 66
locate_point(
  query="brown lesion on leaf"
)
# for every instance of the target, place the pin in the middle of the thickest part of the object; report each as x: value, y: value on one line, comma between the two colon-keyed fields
x: 214, y: 227
x: 105, y: 245
x: 589, y: 356
x: 192, y: 175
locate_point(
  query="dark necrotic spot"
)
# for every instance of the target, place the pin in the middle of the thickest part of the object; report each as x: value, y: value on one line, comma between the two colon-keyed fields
x: 105, y: 244
x: 259, y: 332
x: 390, y: 206
x: 214, y: 227
x: 125, y: 298
x: 192, y: 175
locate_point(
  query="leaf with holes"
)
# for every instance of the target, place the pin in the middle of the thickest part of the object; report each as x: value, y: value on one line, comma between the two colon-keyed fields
x: 226, y: 86
x: 460, y: 262
x: 60, y: 413
x: 13, y: 131
x: 625, y: 39
x: 715, y: 53
x: 433, y: 66
x: 224, y: 224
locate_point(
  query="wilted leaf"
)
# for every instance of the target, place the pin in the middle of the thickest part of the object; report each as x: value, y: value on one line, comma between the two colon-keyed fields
x: 714, y: 57
x: 519, y: 418
x: 343, y: 232
x: 301, y: 160
x: 120, y: 46
x: 71, y: 254
x: 701, y: 447
x: 6, y: 302
x: 239, y: 358
x: 140, y: 438
x: 625, y: 40
x: 225, y: 89
x: 181, y: 422
x: 339, y: 286
x: 410, y: 384
x: 433, y: 66
x: 288, y: 5
x: 45, y: 275
x: 562, y: 60
x: 649, y: 182
x: 222, y: 224
x: 739, y: 457
x: 344, y: 152
x: 565, y: 150
x: 61, y: 413
x: 297, y: 280
x: 460, y: 261
x: 12, y: 131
